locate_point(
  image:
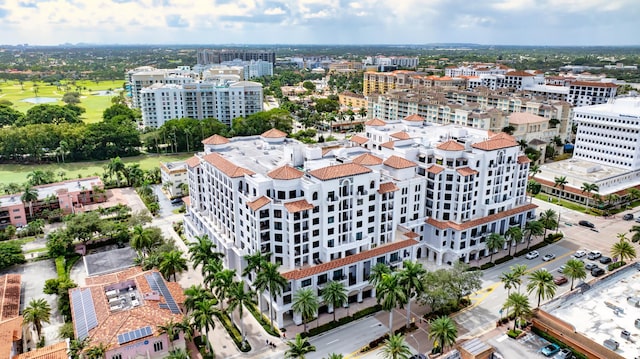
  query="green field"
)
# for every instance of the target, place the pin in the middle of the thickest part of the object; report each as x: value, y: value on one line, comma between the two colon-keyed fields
x: 95, y: 105
x: 11, y: 173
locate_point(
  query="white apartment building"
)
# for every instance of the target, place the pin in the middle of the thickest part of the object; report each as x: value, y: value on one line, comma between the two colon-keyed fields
x: 476, y: 70
x: 142, y: 77
x: 221, y: 100
x: 403, y: 190
x: 400, y: 61
x: 173, y: 175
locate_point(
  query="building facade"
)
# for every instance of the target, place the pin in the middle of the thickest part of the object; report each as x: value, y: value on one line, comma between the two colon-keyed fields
x: 211, y: 56
x: 174, y: 177
x: 142, y: 77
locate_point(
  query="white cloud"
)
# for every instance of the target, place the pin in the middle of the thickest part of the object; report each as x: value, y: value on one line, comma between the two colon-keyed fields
x: 274, y: 11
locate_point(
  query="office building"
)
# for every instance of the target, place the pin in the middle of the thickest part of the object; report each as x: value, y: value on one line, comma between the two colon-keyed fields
x: 211, y: 56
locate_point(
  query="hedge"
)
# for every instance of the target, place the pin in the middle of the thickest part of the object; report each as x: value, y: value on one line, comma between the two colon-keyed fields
x: 487, y: 265
x: 513, y: 333
x: 342, y: 321
x: 615, y: 265
x: 503, y: 259
x: 264, y: 321
x: 553, y: 237
x: 231, y: 328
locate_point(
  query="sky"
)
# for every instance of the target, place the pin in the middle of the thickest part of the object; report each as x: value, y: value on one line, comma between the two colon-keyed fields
x: 499, y: 22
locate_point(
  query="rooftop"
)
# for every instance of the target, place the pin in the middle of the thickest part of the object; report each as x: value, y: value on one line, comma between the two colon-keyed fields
x: 73, y: 185
x: 625, y: 106
x: 578, y: 171
x: 523, y: 118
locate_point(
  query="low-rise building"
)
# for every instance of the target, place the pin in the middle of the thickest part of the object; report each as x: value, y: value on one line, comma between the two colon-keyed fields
x: 174, y: 177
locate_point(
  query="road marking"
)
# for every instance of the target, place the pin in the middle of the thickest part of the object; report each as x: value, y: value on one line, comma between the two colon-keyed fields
x: 502, y: 338
x: 333, y: 341
x: 480, y: 296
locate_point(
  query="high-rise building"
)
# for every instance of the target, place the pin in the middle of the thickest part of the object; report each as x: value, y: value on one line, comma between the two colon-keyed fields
x: 142, y: 77
x: 210, y: 56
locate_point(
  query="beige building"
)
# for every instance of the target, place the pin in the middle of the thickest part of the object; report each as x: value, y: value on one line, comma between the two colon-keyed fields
x: 353, y: 100
x: 528, y: 126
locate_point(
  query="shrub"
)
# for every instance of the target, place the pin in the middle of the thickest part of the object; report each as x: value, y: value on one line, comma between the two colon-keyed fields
x: 487, y: 265
x: 233, y: 331
x: 473, y: 269
x: 553, y: 237
x: 553, y: 339
x: 264, y: 321
x: 513, y: 333
x: 615, y: 265
x: 503, y: 259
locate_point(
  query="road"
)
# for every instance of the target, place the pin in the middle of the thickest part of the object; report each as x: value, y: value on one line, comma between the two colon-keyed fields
x: 360, y: 333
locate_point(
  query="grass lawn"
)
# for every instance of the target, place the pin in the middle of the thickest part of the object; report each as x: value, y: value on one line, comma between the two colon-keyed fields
x: 12, y: 173
x: 95, y: 105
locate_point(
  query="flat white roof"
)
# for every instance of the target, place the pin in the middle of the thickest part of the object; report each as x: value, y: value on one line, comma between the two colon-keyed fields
x: 625, y: 106
x: 579, y: 171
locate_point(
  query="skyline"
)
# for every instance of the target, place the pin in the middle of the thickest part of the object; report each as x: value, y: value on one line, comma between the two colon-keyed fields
x: 311, y: 22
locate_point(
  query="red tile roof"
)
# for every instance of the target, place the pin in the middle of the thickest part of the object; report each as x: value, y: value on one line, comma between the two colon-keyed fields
x: 479, y: 221
x: 387, y: 187
x: 215, y: 140
x: 496, y: 142
x: 435, y: 169
x: 54, y: 351
x: 414, y: 118
x: 297, y: 206
x: 259, y: 203
x: 285, y: 173
x: 375, y: 122
x: 226, y: 166
x: 450, y: 145
x: 411, y: 234
x: 10, y: 285
x: 339, y: 171
x: 367, y: 159
x: 523, y: 159
x: 359, y: 139
x: 193, y: 161
x: 466, y: 171
x: 10, y: 331
x: 401, y: 135
x: 274, y: 133
x: 398, y: 162
x: 388, y: 144
x: 342, y: 262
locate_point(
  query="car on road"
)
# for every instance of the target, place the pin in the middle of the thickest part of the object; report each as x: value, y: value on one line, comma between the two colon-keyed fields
x: 561, y: 268
x: 564, y: 354
x: 580, y: 254
x: 593, y: 255
x: 532, y: 255
x: 177, y: 201
x: 627, y: 217
x: 549, y: 257
x: 590, y: 266
x: 587, y: 224
x: 559, y: 280
x: 550, y: 349
x: 597, y: 271
x: 638, y: 219
x: 605, y: 260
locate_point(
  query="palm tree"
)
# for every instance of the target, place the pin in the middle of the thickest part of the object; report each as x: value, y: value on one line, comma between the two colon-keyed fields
x: 178, y: 353
x: 270, y: 279
x: 305, y: 303
x: 589, y: 188
x: 443, y: 331
x: 202, y: 250
x: 255, y: 263
x: 37, y: 312
x: 194, y: 295
x: 534, y: 170
x: 560, y: 181
x: 410, y: 278
x: 377, y: 272
x: 395, y: 347
x: 513, y: 234
x: 494, y: 241
x: 548, y: 220
x: 633, y: 193
x: 202, y: 316
x: 210, y: 271
x: 636, y: 233
x: 519, y: 304
x: 533, y: 228
x: 510, y: 280
x: 172, y: 263
x: 574, y: 269
x: 140, y: 240
x: 336, y: 294
x: 390, y: 295
x: 523, y: 144
x: 541, y: 281
x: 29, y: 195
x: 97, y: 351
x: 298, y: 348
x: 76, y: 347
x: 116, y: 167
x: 223, y: 284
x: 172, y: 329
x: 623, y: 249
x: 335, y: 356
x: 519, y: 270
x: 612, y: 198
x: 238, y: 298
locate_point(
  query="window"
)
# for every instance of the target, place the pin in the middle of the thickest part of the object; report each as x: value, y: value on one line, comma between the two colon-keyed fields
x: 277, y: 213
x: 306, y: 282
x: 157, y: 346
x: 116, y: 356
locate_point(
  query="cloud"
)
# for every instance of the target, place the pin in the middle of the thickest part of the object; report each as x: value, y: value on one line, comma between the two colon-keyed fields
x: 176, y: 21
x: 28, y: 4
x: 274, y: 11
x: 4, y: 13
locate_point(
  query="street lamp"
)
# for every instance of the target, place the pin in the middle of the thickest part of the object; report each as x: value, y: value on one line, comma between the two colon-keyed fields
x: 417, y: 342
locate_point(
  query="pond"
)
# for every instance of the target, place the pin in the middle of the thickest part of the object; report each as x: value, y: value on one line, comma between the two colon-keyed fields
x: 40, y: 100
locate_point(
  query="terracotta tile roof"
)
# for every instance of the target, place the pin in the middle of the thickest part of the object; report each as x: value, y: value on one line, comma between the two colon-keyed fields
x: 450, y: 145
x: 398, y: 162
x: 193, y: 161
x: 479, y: 221
x: 54, y: 351
x: 10, y: 331
x: 501, y: 140
x: 414, y: 118
x: 226, y: 166
x: 215, y: 140
x: 367, y: 159
x: 518, y: 73
x: 342, y: 262
x: 411, y: 234
x: 359, y: 139
x: 10, y: 296
x: 593, y: 84
x: 285, y: 173
x: 401, y: 135
x: 274, y: 133
x: 375, y: 122
x: 339, y: 171
x: 435, y: 169
x: 259, y: 203
x: 387, y: 187
x: 567, y: 188
x: 297, y: 206
x: 503, y: 136
x: 466, y: 171
x: 523, y: 118
x: 523, y: 159
x: 389, y: 145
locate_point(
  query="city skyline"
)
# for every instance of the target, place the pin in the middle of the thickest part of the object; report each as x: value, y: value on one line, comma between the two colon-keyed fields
x: 498, y: 22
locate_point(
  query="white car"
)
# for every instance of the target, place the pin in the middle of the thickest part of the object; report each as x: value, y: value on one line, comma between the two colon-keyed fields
x: 532, y: 255
x: 580, y: 254
x: 593, y: 255
x: 549, y: 257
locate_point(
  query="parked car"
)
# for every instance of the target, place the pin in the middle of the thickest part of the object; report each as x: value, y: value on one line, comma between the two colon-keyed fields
x: 587, y: 224
x: 590, y: 266
x: 561, y: 268
x: 605, y: 260
x: 550, y: 349
x: 176, y: 201
x: 564, y: 354
x: 559, y: 280
x: 580, y: 254
x: 532, y: 255
x: 549, y: 257
x: 638, y: 219
x: 627, y: 217
x: 594, y: 255
x: 597, y: 271
x: 418, y: 356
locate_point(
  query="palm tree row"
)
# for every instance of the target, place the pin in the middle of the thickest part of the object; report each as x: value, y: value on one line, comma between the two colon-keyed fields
x: 514, y: 235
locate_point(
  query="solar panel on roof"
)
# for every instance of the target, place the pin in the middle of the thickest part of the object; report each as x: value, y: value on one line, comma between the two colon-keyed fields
x: 157, y: 283
x: 84, y: 313
x: 134, y: 335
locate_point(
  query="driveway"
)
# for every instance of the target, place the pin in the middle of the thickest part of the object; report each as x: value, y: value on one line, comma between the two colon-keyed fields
x: 525, y: 347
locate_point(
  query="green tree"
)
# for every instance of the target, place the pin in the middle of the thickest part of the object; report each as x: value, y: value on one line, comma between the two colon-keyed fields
x: 116, y: 168
x: 238, y: 298
x: 172, y: 263
x: 533, y: 228
x: 534, y: 170
x: 178, y: 353
x: 172, y: 329
x: 37, y: 312
x: 541, y: 282
x: 72, y: 98
x: 76, y: 347
x: 548, y: 219
x: 222, y: 284
x: 623, y: 249
x: 519, y: 270
x: 390, y: 295
x: 270, y: 279
x: 494, y: 241
x: 298, y: 348
x: 519, y: 305
x: 377, y: 273
x: 636, y: 233
x: 305, y: 303
x: 9, y: 116
x: 202, y: 250
x: 202, y: 316
x: 589, y: 188
x: 59, y: 243
x: 141, y: 240
x: 194, y: 295
x: 335, y: 356
x: 574, y: 269
x: 395, y: 347
x: 29, y: 195
x: 443, y: 332
x: 336, y: 294
x: 513, y: 235
x: 560, y: 181
x: 97, y: 351
x: 410, y: 278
